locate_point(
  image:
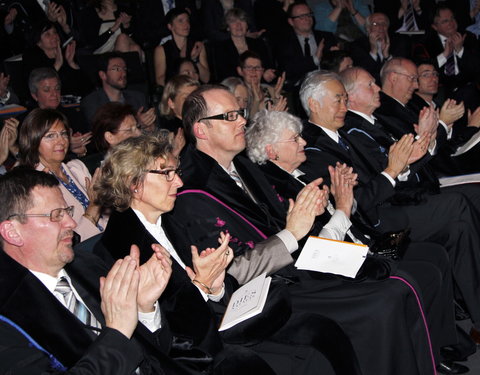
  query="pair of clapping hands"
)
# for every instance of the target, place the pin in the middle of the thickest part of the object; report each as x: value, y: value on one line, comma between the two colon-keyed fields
x: 311, y: 200
x: 130, y: 288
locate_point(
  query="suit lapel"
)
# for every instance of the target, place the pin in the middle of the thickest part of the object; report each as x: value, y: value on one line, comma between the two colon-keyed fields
x: 30, y: 305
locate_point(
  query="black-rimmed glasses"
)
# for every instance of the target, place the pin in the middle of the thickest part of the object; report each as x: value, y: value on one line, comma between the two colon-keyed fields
x: 228, y: 116
x: 55, y: 215
x: 168, y: 173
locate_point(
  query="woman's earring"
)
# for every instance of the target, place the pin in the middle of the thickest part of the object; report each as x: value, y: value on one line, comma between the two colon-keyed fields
x: 135, y: 190
x: 276, y: 157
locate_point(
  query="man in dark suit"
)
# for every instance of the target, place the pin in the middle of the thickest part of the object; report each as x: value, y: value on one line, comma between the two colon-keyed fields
x: 399, y: 81
x: 45, y: 284
x: 456, y: 55
x: 301, y: 48
x: 369, y: 138
x: 462, y: 124
x: 378, y: 46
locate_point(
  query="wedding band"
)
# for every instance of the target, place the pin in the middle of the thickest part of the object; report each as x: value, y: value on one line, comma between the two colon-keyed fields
x: 82, y: 139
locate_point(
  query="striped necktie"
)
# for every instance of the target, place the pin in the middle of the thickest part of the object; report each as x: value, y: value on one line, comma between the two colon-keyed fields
x: 76, y: 307
x: 409, y: 17
x: 450, y: 66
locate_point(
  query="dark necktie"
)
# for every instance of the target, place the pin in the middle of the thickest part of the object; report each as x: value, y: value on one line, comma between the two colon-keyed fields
x: 306, y: 48
x: 450, y: 66
x: 343, y: 144
x: 76, y: 307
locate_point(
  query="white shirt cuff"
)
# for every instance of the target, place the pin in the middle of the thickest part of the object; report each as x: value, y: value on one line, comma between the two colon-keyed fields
x: 288, y: 240
x: 151, y: 320
x: 447, y: 129
x: 211, y: 297
x: 389, y: 178
x: 337, y: 226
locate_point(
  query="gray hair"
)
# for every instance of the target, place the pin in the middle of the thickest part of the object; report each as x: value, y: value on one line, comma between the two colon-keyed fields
x: 349, y: 77
x: 265, y: 129
x: 38, y: 75
x: 391, y: 66
x: 313, y: 86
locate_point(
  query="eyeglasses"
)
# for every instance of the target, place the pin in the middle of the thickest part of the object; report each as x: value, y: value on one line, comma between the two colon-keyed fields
x: 411, y: 78
x: 118, y: 68
x: 228, y: 116
x: 168, y: 173
x: 379, y: 24
x: 296, y: 138
x: 131, y: 129
x: 429, y: 74
x: 52, y: 136
x: 302, y: 16
x: 445, y: 21
x: 253, y: 68
x: 55, y: 215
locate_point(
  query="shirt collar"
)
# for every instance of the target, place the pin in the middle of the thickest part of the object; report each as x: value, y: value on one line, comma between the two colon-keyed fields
x: 49, y: 281
x: 371, y: 119
x: 332, y: 134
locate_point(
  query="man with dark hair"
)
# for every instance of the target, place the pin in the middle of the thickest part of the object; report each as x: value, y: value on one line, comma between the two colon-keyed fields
x: 456, y: 55
x: 225, y: 191
x: 113, y: 76
x: 300, y: 51
x: 52, y: 316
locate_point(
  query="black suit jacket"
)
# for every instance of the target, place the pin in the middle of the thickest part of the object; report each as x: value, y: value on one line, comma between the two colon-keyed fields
x: 180, y: 299
x: 26, y: 301
x: 360, y: 52
x: 290, y: 57
x: 373, y: 190
x: 468, y: 64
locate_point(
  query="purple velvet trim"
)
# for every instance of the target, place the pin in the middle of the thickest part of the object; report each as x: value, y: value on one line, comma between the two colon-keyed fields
x: 224, y: 205
x: 423, y: 317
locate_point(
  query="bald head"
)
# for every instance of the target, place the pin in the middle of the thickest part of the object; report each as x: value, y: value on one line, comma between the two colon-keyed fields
x: 399, y: 79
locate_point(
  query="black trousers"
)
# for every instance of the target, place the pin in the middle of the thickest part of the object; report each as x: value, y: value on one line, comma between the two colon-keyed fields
x: 450, y: 220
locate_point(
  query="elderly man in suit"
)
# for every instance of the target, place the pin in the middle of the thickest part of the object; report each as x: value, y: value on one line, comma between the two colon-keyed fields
x: 52, y: 316
x: 381, y: 163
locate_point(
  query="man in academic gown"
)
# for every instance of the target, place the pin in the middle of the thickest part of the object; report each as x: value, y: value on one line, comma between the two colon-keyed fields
x: 39, y: 332
x: 245, y: 205
x: 433, y: 217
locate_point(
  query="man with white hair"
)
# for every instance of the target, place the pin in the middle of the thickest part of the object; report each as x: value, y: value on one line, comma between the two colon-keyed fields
x: 436, y: 218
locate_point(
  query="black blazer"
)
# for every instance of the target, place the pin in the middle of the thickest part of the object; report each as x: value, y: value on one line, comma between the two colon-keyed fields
x: 26, y: 301
x: 374, y: 189
x: 290, y: 57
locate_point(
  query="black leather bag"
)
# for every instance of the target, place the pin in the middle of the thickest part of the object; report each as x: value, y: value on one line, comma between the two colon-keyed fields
x: 391, y: 245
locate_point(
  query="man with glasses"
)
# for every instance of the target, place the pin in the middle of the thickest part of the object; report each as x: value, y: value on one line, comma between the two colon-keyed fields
x: 463, y: 125
x: 224, y: 191
x: 52, y: 316
x: 113, y: 76
x: 456, y: 54
x: 300, y: 51
x: 378, y: 46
